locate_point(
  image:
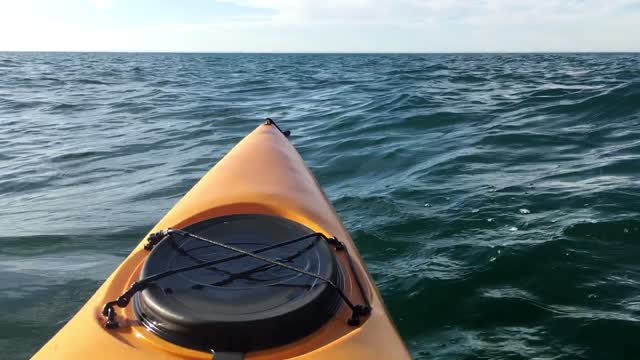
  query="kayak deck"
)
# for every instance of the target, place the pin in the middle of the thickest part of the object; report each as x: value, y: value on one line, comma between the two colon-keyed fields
x: 263, y: 174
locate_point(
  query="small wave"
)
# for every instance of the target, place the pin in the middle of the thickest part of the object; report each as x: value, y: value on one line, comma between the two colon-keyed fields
x: 435, y: 267
x: 64, y: 107
x: 418, y: 71
x: 243, y: 84
x: 23, y: 184
x: 171, y: 191
x: 8, y: 63
x: 82, y: 155
x: 90, y: 82
x: 398, y: 102
x: 163, y: 82
x: 17, y: 105
x: 522, y: 140
x: 257, y: 90
x: 618, y: 230
x: 53, y: 81
x: 432, y: 120
x: 62, y: 267
x: 617, y: 101
x: 509, y: 293
x: 554, y: 92
x: 468, y: 79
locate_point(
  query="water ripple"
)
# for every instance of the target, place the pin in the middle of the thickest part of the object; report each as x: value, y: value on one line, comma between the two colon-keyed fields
x: 430, y: 161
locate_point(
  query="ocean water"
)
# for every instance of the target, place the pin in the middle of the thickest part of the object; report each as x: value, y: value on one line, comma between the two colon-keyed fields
x: 494, y: 197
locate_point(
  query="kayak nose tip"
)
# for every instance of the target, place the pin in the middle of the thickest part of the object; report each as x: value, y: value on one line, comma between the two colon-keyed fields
x: 269, y: 121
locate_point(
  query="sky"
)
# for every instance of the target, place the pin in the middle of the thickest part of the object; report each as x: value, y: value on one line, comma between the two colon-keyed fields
x: 320, y: 25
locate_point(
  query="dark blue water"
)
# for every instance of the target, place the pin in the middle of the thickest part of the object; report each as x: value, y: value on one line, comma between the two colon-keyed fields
x: 495, y: 198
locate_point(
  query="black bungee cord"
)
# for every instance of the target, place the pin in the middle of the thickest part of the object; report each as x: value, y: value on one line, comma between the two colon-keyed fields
x: 357, y: 310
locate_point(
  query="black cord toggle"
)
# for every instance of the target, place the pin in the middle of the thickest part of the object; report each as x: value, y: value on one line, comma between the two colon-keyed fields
x: 155, y: 238
x: 337, y: 244
x: 108, y: 311
x: 357, y: 312
x: 271, y: 122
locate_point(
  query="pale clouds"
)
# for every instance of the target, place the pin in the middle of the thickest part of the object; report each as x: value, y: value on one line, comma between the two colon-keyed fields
x: 460, y: 25
x: 408, y: 11
x: 324, y: 26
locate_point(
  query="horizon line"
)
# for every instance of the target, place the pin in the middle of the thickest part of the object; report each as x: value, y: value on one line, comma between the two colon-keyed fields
x: 506, y: 52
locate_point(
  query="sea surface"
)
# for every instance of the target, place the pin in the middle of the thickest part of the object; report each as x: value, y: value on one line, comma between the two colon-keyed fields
x: 494, y: 197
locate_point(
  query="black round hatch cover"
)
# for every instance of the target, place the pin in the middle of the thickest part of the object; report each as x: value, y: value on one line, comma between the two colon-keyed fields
x: 244, y: 304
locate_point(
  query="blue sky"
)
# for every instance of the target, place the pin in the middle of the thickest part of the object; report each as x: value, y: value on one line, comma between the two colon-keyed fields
x: 320, y: 26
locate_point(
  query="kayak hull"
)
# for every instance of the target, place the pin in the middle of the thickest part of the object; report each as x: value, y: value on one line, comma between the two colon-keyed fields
x: 263, y: 174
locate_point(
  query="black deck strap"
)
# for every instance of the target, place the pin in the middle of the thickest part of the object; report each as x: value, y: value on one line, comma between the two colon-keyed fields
x: 270, y: 121
x: 363, y: 293
x: 362, y: 310
x: 123, y: 300
x: 357, y: 311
